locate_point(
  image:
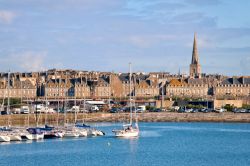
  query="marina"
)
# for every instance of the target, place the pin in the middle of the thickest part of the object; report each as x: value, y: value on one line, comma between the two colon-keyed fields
x: 160, y: 143
x: 39, y: 133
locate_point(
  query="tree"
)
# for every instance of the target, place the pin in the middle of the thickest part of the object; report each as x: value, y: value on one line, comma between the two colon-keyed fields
x: 229, y: 107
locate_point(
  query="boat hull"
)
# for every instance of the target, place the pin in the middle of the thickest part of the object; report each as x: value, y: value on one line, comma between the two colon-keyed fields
x: 83, y: 133
x: 59, y: 135
x: 71, y: 134
x: 27, y: 136
x: 48, y: 136
x: 123, y: 133
x: 15, y: 138
x: 37, y: 136
x: 4, y: 139
x: 92, y: 132
x: 100, y: 133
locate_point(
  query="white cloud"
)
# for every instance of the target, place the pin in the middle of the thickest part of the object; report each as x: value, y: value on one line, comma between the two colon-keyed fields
x: 7, y: 16
x: 25, y: 61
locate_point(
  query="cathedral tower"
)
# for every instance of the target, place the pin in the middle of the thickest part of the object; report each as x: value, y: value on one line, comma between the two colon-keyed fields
x: 195, y: 67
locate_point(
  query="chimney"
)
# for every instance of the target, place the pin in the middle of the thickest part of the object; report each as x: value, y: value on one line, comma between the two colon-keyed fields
x: 243, y: 80
x: 13, y: 80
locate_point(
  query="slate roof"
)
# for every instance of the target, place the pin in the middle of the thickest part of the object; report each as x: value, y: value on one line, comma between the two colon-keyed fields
x: 235, y: 81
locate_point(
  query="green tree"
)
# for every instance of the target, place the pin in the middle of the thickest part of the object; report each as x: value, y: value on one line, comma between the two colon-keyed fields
x: 246, y: 106
x: 229, y: 107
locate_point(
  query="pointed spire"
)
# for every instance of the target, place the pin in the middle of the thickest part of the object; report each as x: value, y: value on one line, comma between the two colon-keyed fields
x: 195, y: 56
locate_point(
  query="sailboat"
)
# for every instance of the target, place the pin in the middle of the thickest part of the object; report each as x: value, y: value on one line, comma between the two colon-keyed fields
x: 72, y: 131
x: 13, y: 136
x: 129, y: 130
x: 36, y: 132
x: 49, y: 131
x: 4, y: 138
x: 86, y: 130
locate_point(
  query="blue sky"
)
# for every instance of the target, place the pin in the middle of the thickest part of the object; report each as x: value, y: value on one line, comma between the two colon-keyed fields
x: 105, y: 35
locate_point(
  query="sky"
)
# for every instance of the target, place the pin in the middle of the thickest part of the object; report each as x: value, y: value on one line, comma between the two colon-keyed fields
x: 105, y: 35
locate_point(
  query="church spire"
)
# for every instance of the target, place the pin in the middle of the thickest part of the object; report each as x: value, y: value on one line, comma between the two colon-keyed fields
x: 195, y: 56
x: 195, y: 67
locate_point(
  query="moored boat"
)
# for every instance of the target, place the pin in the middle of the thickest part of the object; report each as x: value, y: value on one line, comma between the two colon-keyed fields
x: 100, y: 133
x: 128, y: 130
x: 15, y: 137
x: 69, y: 134
x: 36, y: 133
x: 83, y: 133
x: 4, y: 138
x: 53, y: 134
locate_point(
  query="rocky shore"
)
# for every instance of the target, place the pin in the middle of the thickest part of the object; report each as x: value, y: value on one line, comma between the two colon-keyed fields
x: 22, y: 119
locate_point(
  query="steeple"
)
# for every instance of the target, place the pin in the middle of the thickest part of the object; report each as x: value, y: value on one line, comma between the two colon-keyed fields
x: 195, y: 56
x: 195, y: 67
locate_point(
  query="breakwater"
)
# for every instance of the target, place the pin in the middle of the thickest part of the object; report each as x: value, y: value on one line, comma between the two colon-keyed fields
x: 22, y: 119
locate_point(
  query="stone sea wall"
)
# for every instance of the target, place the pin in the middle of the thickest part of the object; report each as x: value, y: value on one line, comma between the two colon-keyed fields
x: 25, y: 120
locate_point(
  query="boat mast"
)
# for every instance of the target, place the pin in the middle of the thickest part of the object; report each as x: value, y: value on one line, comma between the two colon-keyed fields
x: 162, y: 95
x: 109, y: 90
x: 8, y: 102
x: 136, y: 118
x: 130, y: 104
x: 28, y: 118
x: 21, y: 90
x: 4, y: 95
x: 66, y: 98
x: 46, y: 99
x: 36, y: 99
x: 36, y: 113
x: 58, y: 90
x: 82, y: 95
x: 75, y: 101
x: 84, y: 105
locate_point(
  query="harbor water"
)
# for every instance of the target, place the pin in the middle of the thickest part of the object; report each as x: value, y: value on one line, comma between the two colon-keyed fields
x: 173, y: 144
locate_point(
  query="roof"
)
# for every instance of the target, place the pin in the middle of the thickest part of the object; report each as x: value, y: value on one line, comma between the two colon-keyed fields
x: 176, y: 82
x: 235, y: 81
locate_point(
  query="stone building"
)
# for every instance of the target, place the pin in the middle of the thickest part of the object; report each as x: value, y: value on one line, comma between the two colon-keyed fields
x: 101, y: 88
x: 56, y: 84
x: 17, y: 89
x: 192, y: 88
x: 126, y: 89
x: 146, y: 87
x: 58, y: 88
x: 236, y: 87
x: 81, y: 88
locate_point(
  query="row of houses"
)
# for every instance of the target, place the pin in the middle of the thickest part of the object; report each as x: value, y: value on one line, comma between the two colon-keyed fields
x: 67, y: 83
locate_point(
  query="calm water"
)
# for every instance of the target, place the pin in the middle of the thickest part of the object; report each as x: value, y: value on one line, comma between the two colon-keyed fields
x: 175, y: 144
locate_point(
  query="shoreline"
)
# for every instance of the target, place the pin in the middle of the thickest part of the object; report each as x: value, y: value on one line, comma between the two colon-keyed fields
x: 22, y: 119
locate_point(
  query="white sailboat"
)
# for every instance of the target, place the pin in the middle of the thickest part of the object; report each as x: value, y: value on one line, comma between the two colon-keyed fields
x: 70, y: 134
x: 129, y: 130
x: 13, y: 135
x: 25, y: 135
x: 23, y: 132
x: 4, y: 138
x: 72, y: 131
x: 36, y: 132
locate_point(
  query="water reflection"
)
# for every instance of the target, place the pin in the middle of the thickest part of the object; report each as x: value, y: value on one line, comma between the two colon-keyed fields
x: 133, y: 145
